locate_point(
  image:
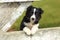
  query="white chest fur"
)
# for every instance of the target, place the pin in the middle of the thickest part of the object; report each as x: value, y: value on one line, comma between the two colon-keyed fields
x: 29, y: 25
x: 30, y: 28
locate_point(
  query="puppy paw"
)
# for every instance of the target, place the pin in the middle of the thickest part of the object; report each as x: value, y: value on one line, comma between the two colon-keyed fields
x: 34, y: 29
x: 27, y: 31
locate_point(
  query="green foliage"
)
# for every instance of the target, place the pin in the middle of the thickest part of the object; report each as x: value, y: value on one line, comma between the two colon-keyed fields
x: 51, y: 15
x: 16, y: 25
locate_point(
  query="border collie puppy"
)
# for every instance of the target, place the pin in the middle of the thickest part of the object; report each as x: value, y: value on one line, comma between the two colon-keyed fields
x: 30, y: 21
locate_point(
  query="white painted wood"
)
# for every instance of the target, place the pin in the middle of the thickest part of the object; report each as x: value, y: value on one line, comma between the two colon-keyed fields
x: 6, y: 10
x: 41, y: 34
x: 18, y: 12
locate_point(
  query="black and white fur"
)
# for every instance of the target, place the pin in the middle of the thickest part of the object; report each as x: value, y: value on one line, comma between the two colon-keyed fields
x: 30, y: 21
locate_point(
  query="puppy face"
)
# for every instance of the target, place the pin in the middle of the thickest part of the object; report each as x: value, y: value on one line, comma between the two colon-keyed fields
x: 33, y: 14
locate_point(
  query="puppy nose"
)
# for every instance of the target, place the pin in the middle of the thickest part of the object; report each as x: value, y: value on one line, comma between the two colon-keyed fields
x: 32, y: 18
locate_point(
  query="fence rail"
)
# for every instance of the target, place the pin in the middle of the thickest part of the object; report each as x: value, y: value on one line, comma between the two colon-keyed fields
x: 41, y: 34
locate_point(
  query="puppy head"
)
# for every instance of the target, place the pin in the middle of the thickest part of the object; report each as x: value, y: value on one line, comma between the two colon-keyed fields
x: 33, y: 13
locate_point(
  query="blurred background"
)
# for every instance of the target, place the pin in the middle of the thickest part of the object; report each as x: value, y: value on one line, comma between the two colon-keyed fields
x: 50, y: 17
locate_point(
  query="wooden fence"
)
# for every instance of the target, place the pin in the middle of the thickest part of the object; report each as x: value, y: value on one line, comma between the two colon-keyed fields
x: 41, y: 34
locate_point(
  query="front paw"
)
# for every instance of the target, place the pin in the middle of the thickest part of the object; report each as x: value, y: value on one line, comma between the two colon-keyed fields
x: 27, y: 31
x: 34, y: 31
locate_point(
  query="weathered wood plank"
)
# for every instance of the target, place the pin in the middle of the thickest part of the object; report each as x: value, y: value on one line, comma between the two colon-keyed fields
x: 6, y: 10
x: 9, y: 12
x: 41, y: 34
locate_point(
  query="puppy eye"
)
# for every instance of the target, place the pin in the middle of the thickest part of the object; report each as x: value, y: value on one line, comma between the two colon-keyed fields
x: 35, y: 12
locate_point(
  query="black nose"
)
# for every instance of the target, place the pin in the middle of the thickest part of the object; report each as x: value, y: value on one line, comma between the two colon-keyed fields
x: 32, y: 18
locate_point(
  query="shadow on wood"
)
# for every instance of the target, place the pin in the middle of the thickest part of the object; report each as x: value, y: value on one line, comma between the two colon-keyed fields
x: 41, y: 34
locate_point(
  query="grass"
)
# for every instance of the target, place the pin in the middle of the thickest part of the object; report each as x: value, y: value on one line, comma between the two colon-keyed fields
x: 50, y: 17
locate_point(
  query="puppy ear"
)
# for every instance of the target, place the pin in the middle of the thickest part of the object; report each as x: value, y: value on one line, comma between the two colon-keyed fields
x: 30, y: 7
x: 40, y: 10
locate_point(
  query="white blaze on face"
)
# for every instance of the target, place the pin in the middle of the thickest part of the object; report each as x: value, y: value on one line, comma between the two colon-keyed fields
x: 33, y: 15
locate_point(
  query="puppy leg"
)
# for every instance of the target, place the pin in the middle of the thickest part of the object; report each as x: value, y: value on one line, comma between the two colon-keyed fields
x: 27, y: 30
x: 34, y: 29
